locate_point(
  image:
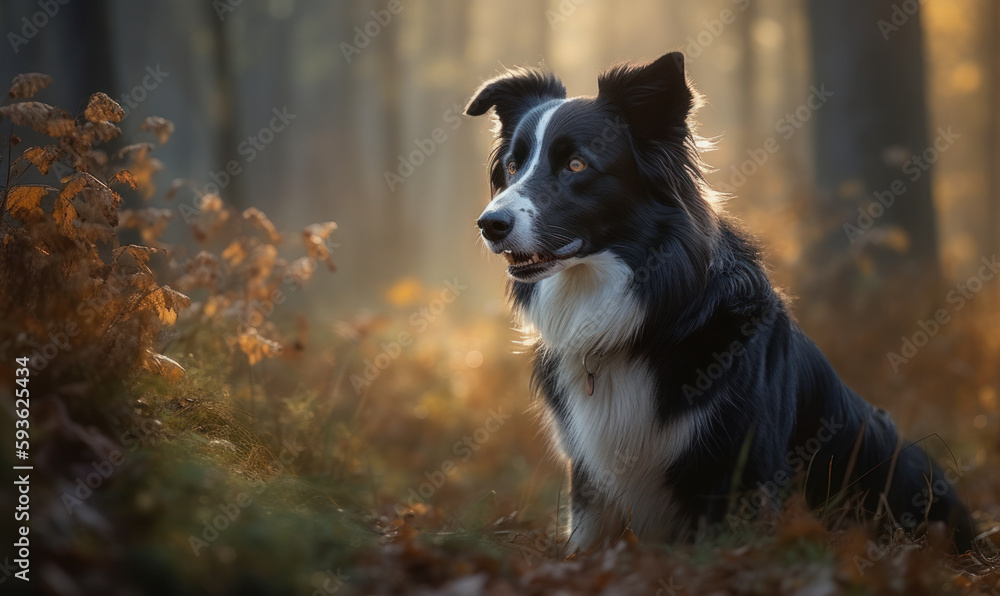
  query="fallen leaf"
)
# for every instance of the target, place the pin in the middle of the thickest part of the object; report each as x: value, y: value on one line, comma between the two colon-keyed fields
x: 158, y: 364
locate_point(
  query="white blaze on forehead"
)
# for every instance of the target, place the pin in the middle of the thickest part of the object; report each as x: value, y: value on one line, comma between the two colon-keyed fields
x: 536, y: 151
x: 523, y: 235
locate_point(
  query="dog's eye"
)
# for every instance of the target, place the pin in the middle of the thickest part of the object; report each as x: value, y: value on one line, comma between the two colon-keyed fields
x: 511, y: 167
x: 576, y: 165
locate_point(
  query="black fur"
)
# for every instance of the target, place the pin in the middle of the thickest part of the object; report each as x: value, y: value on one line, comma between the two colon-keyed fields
x: 512, y: 95
x: 710, y: 307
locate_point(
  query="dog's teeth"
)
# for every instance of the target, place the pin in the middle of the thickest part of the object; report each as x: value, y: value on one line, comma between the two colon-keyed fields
x: 523, y: 260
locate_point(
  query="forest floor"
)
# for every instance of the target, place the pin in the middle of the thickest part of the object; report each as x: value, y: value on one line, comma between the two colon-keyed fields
x: 436, y: 481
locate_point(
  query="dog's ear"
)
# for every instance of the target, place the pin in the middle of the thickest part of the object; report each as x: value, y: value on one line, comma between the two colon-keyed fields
x: 513, y: 94
x: 655, y: 97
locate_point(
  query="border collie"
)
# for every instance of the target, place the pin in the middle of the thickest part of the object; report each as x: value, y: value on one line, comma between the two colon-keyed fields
x: 673, y: 376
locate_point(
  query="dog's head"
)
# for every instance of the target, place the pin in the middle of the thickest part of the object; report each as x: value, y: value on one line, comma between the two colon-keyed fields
x: 573, y: 177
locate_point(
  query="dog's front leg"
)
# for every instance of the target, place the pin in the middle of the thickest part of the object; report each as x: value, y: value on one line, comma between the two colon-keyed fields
x: 591, y: 522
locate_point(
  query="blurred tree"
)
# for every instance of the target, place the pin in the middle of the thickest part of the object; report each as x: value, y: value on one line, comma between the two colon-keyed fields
x: 748, y: 105
x: 71, y: 42
x: 390, y: 75
x: 991, y: 41
x: 225, y: 98
x: 871, y: 134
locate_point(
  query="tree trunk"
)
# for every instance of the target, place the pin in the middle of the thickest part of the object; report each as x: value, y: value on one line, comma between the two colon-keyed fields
x: 991, y: 42
x: 748, y: 109
x: 869, y: 137
x: 226, y: 107
x: 73, y: 46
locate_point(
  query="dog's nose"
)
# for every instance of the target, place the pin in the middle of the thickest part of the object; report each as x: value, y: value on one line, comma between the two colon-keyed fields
x: 496, y: 225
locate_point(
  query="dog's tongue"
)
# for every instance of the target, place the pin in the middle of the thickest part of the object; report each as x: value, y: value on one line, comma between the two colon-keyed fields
x: 569, y: 250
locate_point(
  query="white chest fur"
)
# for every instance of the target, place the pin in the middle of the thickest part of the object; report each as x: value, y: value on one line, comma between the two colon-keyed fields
x: 614, y: 434
x: 586, y: 307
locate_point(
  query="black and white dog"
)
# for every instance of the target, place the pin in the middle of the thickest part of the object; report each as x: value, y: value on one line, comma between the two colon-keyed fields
x: 673, y: 376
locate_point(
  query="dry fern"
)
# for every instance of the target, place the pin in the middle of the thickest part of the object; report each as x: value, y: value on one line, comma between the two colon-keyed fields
x: 161, y: 127
x: 315, y: 236
x: 25, y: 86
x: 43, y: 118
x: 24, y: 202
x: 261, y: 222
x: 254, y: 345
x: 54, y: 279
x: 102, y: 108
x: 43, y: 157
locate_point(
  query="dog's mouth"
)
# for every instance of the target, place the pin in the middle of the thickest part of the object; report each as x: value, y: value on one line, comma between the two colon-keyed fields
x: 535, y: 266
